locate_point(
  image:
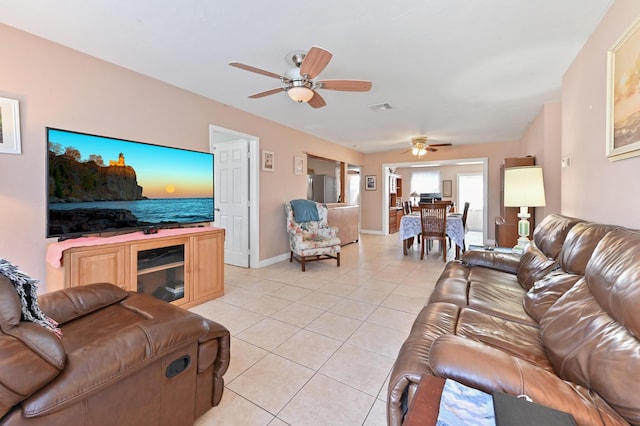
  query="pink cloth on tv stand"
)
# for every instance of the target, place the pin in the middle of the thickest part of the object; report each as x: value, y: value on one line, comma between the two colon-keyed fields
x: 55, y: 250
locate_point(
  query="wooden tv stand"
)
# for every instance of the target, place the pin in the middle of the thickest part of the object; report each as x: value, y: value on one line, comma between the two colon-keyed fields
x: 183, y: 266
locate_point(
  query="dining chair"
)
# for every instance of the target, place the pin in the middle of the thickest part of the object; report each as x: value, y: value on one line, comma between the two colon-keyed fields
x: 406, y: 207
x: 433, y: 218
x: 464, y: 224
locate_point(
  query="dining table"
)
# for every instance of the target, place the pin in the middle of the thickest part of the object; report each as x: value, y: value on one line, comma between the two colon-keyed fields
x: 410, y: 227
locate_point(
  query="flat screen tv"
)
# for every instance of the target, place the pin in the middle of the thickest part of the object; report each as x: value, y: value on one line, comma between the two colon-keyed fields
x: 99, y: 185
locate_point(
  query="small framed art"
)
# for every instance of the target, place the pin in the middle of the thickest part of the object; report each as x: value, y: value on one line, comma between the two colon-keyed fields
x: 268, y: 161
x: 298, y: 165
x: 446, y: 188
x: 370, y: 183
x: 9, y: 127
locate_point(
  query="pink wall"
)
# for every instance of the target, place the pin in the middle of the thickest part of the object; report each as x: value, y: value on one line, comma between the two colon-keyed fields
x: 63, y: 88
x: 542, y: 140
x: 594, y: 188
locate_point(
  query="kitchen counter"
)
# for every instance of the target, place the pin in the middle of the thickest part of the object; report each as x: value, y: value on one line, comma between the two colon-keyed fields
x: 347, y: 219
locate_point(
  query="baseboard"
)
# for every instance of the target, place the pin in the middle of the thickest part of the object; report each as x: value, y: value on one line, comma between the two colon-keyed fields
x: 273, y: 260
x: 369, y: 231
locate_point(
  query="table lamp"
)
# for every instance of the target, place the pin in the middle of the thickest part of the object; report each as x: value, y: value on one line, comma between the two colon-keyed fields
x: 413, y: 196
x: 524, y: 188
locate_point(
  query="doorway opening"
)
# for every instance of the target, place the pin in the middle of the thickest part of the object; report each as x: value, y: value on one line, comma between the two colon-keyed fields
x: 471, y: 190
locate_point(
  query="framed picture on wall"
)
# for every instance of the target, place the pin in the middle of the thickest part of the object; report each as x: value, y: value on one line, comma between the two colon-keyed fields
x: 298, y: 165
x: 446, y: 188
x: 9, y: 127
x: 370, y: 183
x: 268, y: 161
x: 623, y: 96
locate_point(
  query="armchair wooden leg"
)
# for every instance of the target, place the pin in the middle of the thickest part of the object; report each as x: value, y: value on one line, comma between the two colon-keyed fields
x: 302, y: 259
x: 291, y: 257
x: 338, y: 257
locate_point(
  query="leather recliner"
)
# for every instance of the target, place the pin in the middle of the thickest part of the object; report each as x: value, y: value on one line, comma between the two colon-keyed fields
x: 124, y: 358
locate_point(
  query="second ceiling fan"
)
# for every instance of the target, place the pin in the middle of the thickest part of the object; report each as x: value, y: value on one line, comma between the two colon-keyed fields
x: 299, y: 83
x: 420, y: 147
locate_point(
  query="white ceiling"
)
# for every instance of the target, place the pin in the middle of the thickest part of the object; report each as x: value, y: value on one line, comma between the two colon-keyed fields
x: 459, y: 71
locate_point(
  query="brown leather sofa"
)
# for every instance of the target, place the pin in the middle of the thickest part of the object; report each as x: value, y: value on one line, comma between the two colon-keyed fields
x: 123, y: 359
x: 560, y: 324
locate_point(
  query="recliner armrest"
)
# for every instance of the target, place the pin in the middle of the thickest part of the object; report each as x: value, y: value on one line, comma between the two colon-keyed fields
x: 482, y: 367
x: 71, y: 303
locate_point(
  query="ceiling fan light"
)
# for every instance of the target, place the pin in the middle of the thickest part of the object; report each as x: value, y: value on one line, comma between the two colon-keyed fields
x: 300, y: 94
x: 415, y: 150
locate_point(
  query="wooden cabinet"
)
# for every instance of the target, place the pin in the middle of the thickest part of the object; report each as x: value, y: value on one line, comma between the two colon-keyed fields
x: 102, y: 264
x: 184, y: 267
x: 395, y: 190
x: 395, y: 214
x: 208, y: 274
x: 506, y: 226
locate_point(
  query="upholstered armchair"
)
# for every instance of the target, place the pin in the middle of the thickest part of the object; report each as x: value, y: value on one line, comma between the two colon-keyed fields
x: 310, y: 236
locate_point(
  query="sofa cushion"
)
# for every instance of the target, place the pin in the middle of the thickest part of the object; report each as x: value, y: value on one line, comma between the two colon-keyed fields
x: 533, y: 266
x: 483, y: 289
x: 550, y: 233
x: 591, y: 332
x: 546, y: 291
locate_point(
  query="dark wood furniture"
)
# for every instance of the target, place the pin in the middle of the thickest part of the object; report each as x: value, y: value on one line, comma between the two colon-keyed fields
x: 433, y: 218
x: 425, y: 405
x: 506, y: 225
x: 395, y: 214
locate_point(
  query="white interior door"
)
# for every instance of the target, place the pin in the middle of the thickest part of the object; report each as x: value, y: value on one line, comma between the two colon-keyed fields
x: 231, y: 186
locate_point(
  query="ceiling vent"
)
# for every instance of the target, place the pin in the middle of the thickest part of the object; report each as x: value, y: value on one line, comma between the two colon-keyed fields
x: 384, y: 106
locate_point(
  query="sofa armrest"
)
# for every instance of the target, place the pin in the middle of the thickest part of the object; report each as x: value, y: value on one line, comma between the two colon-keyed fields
x: 71, y: 303
x: 31, y: 357
x: 482, y: 367
x: 214, y: 351
x: 328, y: 232
x: 505, y: 262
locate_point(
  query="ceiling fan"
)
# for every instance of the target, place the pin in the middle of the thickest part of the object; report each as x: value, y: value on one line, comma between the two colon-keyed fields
x: 420, y: 147
x: 299, y: 83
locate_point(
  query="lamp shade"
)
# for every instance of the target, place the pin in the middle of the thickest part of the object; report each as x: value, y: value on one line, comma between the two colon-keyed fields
x: 524, y: 186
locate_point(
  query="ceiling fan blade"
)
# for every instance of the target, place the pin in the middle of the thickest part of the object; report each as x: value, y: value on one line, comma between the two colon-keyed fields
x: 314, y: 62
x: 267, y: 93
x: 430, y: 149
x: 256, y: 70
x: 440, y: 144
x: 316, y: 101
x: 346, y: 85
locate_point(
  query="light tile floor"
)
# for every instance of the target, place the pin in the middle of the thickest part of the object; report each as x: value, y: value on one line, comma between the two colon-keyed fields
x: 317, y: 348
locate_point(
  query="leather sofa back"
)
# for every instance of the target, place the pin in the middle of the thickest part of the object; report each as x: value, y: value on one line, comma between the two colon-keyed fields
x: 579, y: 245
x: 541, y: 256
x: 550, y: 234
x: 591, y: 332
